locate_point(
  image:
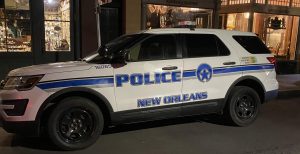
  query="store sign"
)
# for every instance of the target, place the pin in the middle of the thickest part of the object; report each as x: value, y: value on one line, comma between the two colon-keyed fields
x: 276, y: 23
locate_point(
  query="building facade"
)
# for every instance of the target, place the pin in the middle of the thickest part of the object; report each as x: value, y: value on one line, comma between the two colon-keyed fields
x: 45, y: 31
x: 275, y: 22
x: 146, y: 14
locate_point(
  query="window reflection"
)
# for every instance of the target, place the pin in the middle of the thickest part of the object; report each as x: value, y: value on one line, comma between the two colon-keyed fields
x: 57, y: 25
x: 162, y: 16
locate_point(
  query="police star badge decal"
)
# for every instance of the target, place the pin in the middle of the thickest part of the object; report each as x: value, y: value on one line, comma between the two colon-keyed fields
x: 204, y: 73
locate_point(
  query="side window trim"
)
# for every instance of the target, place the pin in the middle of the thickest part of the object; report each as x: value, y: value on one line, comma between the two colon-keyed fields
x: 219, y: 40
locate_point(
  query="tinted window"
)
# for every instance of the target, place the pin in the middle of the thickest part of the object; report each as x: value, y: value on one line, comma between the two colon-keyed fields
x: 252, y: 44
x: 205, y: 45
x: 154, y: 48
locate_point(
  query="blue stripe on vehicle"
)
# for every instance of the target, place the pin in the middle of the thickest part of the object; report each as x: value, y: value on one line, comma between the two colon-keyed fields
x: 226, y: 70
x: 109, y: 81
x: 187, y: 74
x: 242, y: 68
x: 74, y: 83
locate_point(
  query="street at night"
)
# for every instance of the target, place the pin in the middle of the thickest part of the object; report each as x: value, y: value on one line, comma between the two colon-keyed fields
x: 276, y: 131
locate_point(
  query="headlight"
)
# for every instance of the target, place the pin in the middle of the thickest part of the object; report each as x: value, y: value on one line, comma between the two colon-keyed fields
x: 20, y: 83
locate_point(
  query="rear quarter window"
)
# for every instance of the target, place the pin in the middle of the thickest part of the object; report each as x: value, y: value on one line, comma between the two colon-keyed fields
x: 252, y: 44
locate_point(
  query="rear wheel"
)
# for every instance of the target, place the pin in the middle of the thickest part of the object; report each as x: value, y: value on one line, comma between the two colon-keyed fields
x: 243, y: 106
x: 75, y: 123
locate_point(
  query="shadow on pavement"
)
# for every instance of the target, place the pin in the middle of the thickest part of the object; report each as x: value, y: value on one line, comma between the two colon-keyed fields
x: 33, y: 143
x: 45, y: 143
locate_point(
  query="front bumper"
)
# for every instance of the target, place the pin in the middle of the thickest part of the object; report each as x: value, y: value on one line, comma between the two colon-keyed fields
x: 18, y: 110
x: 24, y: 128
x: 19, y: 106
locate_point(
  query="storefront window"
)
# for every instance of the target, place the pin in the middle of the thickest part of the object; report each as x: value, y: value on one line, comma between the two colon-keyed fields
x: 237, y: 21
x: 162, y: 16
x: 279, y: 32
x: 224, y: 2
x: 233, y: 2
x: 296, y: 3
x: 279, y: 2
x: 261, y: 1
x: 57, y: 25
x: 15, y: 29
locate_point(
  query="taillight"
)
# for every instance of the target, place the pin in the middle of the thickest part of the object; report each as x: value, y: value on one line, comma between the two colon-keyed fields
x: 272, y: 60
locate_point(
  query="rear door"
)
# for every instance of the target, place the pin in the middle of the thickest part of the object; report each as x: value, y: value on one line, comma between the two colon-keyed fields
x: 207, y: 76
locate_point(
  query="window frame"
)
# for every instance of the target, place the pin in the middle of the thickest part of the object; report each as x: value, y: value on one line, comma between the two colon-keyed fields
x: 72, y: 34
x: 177, y: 42
x: 185, y: 48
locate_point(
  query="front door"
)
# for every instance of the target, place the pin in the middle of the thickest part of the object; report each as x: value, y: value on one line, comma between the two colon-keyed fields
x: 152, y: 76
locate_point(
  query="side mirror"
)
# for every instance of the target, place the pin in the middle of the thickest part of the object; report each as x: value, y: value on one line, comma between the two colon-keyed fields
x: 120, y: 59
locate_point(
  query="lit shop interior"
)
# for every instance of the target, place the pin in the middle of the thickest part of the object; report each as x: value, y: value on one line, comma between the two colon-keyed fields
x: 15, y: 29
x: 163, y: 16
x: 15, y: 25
x: 57, y: 25
x: 276, y: 22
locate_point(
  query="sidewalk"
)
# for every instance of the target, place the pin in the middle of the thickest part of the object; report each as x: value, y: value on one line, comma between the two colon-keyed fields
x: 289, y: 85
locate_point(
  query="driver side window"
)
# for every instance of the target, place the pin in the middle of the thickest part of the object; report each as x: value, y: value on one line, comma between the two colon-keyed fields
x: 154, y: 48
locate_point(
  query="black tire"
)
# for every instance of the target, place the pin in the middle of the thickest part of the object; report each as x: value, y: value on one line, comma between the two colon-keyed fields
x: 75, y: 123
x: 243, y: 106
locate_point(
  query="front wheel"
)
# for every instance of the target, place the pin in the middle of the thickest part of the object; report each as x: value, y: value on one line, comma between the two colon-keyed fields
x: 75, y: 123
x: 243, y: 106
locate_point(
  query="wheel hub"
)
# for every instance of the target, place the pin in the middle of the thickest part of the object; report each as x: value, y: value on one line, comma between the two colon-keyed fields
x: 245, y: 107
x: 76, y: 125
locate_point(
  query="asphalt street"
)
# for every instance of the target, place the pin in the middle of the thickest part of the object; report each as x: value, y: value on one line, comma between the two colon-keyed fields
x: 276, y: 131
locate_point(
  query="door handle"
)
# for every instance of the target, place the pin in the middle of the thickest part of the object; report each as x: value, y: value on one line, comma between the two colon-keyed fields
x: 229, y: 63
x: 170, y: 68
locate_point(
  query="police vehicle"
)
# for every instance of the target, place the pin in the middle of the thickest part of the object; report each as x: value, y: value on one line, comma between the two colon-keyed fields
x: 154, y: 74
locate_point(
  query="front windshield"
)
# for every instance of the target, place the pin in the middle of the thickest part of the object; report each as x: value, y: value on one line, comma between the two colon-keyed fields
x: 114, y: 46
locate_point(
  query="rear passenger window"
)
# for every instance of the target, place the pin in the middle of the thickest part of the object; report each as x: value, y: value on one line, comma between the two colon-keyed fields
x: 252, y: 44
x: 205, y: 45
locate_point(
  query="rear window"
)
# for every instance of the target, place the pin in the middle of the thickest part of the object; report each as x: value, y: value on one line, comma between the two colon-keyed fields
x: 205, y: 45
x: 252, y: 44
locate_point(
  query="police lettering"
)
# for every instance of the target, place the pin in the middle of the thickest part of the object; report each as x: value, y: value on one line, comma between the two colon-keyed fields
x: 147, y: 79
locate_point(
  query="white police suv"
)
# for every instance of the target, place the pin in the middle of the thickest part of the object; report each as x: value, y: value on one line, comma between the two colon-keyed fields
x: 150, y: 75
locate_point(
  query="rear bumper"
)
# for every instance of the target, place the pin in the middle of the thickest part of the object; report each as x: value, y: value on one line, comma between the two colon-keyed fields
x: 271, y: 95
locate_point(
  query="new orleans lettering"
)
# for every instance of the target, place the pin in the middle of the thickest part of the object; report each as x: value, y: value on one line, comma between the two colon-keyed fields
x: 151, y: 102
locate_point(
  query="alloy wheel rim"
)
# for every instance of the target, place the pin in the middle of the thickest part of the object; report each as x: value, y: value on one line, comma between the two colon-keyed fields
x: 76, y: 125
